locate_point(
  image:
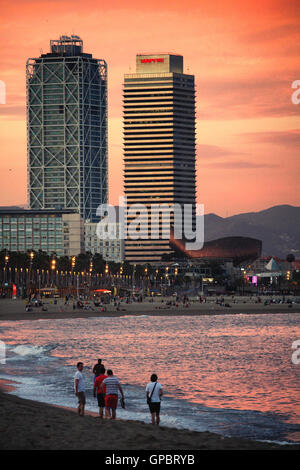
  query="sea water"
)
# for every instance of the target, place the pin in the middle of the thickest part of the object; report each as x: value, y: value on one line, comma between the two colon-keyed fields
x: 228, y: 374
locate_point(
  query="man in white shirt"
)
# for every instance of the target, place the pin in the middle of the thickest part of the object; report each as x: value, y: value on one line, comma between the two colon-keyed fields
x: 79, y: 384
x: 154, y: 392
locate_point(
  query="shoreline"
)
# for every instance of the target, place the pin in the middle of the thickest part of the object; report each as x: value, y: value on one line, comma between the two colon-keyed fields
x: 14, y: 310
x: 33, y: 425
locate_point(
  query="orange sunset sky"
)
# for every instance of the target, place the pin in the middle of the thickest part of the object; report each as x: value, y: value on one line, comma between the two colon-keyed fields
x: 244, y: 55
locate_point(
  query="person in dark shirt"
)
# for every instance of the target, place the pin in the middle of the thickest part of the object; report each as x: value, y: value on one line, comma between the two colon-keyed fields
x: 97, y: 368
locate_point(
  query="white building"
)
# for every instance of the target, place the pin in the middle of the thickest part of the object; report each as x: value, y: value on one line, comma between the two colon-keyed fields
x: 112, y: 249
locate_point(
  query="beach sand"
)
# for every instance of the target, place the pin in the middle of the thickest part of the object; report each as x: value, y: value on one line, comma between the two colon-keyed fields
x: 15, y: 309
x: 30, y: 425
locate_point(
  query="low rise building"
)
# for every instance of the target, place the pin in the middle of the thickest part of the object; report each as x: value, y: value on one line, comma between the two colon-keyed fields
x: 52, y: 231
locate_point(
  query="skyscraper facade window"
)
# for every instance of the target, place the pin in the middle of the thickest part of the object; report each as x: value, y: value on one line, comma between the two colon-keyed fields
x: 159, y: 148
x: 67, y: 129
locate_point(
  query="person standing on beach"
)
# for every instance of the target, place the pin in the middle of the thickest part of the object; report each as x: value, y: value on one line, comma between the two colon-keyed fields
x: 100, y: 393
x: 97, y: 367
x: 112, y: 385
x: 79, y: 384
x: 154, y: 392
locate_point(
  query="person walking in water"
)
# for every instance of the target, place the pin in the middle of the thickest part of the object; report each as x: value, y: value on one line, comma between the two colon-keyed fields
x: 79, y: 384
x: 154, y: 392
x: 96, y: 368
x: 113, y: 386
x: 100, y: 393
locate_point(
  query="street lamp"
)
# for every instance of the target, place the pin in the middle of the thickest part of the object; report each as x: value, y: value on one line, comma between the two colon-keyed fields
x: 6, y: 259
x: 167, y: 276
x: 53, y: 267
x: 28, y: 280
x: 91, y: 271
x: 31, y: 254
x: 156, y: 276
x: 73, y: 263
x: 133, y: 278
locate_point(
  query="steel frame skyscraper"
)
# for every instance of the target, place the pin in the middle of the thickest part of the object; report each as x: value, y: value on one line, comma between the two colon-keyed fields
x: 67, y: 129
x: 159, y: 146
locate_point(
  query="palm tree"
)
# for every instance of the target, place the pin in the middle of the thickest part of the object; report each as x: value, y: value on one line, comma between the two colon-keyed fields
x: 41, y: 260
x: 98, y: 263
x: 83, y: 261
x: 18, y: 260
x: 64, y: 263
x: 127, y: 268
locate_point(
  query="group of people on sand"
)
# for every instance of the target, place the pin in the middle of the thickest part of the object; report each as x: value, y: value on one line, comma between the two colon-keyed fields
x: 106, y: 387
x: 82, y: 303
x: 34, y: 302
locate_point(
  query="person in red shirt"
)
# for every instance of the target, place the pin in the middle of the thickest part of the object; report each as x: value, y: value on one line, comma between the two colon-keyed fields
x: 100, y: 393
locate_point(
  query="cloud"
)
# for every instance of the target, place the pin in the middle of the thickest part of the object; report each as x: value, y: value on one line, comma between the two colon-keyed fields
x: 273, y: 34
x: 13, y: 111
x: 205, y: 151
x: 246, y: 97
x: 244, y: 60
x: 289, y: 138
x: 237, y: 165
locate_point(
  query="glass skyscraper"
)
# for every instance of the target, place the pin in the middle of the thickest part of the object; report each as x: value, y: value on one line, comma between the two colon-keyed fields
x: 67, y: 129
x: 159, y: 148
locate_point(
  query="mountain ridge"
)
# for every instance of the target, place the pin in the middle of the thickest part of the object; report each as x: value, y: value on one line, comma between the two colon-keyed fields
x: 278, y: 227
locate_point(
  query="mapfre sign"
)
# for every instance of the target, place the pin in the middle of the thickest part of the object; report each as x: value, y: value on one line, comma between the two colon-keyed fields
x: 151, y: 61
